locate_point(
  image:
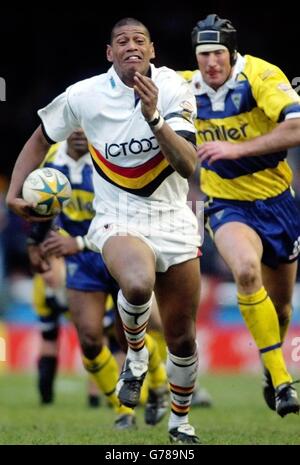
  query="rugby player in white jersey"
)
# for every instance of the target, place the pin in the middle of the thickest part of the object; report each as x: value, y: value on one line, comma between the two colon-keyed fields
x: 139, y: 123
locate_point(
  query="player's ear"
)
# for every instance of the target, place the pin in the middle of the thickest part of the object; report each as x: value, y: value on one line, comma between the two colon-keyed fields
x: 109, y: 53
x: 152, y: 52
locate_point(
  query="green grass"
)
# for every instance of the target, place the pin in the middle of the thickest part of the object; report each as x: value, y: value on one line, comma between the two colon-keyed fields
x: 239, y: 416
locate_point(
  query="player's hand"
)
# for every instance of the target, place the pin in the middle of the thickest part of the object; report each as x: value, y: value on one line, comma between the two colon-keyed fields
x: 148, y: 93
x: 38, y: 262
x: 25, y: 210
x: 59, y: 245
x: 218, y: 150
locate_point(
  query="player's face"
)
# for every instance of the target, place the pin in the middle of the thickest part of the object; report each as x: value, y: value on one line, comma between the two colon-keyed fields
x: 130, y: 51
x: 215, y: 67
x: 78, y: 142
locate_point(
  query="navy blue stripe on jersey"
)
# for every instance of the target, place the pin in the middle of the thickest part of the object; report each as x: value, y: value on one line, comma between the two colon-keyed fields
x: 175, y: 114
x: 293, y: 108
x: 230, y: 169
x: 187, y: 135
x: 75, y: 228
x: 238, y: 100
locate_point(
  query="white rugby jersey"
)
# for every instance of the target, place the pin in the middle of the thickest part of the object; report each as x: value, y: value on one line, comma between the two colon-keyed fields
x: 124, y: 150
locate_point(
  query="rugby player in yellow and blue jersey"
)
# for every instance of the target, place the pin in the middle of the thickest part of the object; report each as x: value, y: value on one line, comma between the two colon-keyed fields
x: 89, y: 283
x: 50, y: 304
x: 247, y: 117
x: 49, y: 301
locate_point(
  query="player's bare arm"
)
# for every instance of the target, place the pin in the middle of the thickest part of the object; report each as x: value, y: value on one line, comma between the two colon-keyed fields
x: 285, y: 135
x: 38, y: 262
x: 180, y: 153
x: 30, y: 158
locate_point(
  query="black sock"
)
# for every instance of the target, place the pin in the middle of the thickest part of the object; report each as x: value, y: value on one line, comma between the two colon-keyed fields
x: 46, y: 372
x: 94, y: 400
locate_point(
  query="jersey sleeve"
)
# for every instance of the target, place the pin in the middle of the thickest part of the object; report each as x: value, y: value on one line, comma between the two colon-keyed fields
x: 274, y: 94
x: 179, y: 104
x: 58, y: 118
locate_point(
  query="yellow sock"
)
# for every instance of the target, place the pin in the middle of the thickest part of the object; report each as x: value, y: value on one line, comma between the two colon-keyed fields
x: 144, y: 391
x: 161, y: 343
x: 157, y: 374
x: 104, y: 370
x: 262, y: 321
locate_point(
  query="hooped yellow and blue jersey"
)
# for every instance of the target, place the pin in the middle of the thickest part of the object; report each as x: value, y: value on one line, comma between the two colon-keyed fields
x: 78, y: 214
x: 260, y: 97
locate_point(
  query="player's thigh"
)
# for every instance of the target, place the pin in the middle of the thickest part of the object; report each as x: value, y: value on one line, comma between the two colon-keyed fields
x: 178, y: 295
x: 127, y: 257
x: 238, y: 244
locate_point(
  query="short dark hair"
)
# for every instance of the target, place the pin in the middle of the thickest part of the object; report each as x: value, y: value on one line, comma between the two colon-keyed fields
x: 125, y: 22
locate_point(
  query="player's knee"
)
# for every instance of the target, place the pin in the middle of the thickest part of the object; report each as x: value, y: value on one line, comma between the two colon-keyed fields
x: 91, y: 344
x: 138, y: 290
x: 182, y: 345
x: 91, y: 351
x: 284, y: 312
x: 247, y: 274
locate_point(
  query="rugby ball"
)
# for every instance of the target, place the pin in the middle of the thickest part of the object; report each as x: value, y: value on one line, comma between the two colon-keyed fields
x: 48, y: 190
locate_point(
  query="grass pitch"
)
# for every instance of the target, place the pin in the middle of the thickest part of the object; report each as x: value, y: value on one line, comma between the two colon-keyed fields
x: 239, y: 416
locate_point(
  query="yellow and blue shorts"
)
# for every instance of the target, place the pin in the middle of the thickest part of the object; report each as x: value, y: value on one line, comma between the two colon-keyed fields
x: 86, y: 271
x: 275, y: 220
x: 48, y: 308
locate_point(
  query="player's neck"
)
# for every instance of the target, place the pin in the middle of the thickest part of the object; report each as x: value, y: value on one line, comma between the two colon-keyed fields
x: 74, y: 154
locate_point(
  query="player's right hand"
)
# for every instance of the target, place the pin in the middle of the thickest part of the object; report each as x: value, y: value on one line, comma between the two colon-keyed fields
x: 38, y: 262
x: 25, y: 210
x: 59, y: 245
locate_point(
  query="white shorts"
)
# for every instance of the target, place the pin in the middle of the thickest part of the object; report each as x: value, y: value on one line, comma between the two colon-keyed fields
x: 173, y: 240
